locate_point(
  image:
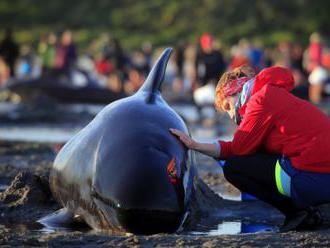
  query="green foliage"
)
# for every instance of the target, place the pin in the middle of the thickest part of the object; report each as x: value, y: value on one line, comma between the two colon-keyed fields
x: 168, y: 21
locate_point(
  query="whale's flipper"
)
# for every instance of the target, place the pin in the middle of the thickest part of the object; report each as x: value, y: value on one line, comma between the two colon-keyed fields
x: 61, y: 218
x: 156, y: 76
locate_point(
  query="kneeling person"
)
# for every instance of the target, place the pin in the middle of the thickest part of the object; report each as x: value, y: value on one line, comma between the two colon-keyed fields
x: 280, y: 152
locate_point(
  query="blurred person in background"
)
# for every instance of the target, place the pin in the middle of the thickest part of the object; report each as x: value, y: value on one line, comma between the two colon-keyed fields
x: 326, y: 57
x: 9, y: 51
x: 267, y: 57
x: 297, y: 53
x: 209, y: 61
x: 189, y: 69
x: 47, y: 52
x: 4, y: 71
x: 317, y: 80
x: 25, y: 62
x: 103, y: 65
x: 313, y: 54
x: 240, y: 54
x: 66, y: 53
x: 179, y: 58
x: 313, y: 63
x: 134, y: 81
x: 209, y: 66
x: 180, y: 90
x: 42, y: 45
x: 280, y: 150
x: 147, y: 52
x: 116, y: 54
x: 300, y: 84
x: 139, y: 61
x: 255, y: 55
x: 300, y: 75
x: 114, y: 83
x: 282, y: 55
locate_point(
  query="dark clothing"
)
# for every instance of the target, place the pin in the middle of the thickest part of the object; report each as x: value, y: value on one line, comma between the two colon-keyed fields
x: 179, y: 60
x: 255, y: 174
x: 9, y: 51
x: 117, y: 56
x: 66, y: 57
x: 209, y: 66
x: 255, y: 57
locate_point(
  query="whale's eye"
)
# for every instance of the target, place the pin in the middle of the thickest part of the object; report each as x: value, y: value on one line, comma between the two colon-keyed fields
x: 171, y: 170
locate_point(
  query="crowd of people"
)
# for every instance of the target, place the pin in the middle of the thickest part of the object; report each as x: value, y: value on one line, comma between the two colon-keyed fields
x: 194, y: 69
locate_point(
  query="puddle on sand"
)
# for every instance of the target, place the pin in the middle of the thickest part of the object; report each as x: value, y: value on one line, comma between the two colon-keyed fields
x: 235, y: 227
x: 224, y: 228
x: 39, y: 228
x: 3, y: 187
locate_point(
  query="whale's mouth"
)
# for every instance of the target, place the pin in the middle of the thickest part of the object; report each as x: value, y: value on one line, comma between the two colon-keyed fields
x: 138, y: 221
x: 148, y: 221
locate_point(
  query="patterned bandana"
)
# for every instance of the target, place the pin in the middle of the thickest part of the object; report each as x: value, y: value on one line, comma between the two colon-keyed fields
x: 242, y: 99
x: 234, y: 87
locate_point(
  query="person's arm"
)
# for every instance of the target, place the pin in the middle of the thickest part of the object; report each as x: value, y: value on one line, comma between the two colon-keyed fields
x: 210, y: 149
x: 254, y: 128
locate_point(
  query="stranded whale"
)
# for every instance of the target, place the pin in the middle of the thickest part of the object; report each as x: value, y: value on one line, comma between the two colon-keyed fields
x: 125, y: 171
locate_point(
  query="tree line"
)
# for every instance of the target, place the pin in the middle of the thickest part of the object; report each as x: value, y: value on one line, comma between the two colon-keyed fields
x: 167, y: 21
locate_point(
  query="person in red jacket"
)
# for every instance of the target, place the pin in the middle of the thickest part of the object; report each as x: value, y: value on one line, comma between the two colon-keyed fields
x: 280, y: 152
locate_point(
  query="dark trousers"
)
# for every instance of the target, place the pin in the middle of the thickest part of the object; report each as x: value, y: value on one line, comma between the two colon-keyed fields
x: 255, y: 174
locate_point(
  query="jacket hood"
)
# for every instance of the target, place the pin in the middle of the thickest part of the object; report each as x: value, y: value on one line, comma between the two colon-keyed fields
x: 276, y: 76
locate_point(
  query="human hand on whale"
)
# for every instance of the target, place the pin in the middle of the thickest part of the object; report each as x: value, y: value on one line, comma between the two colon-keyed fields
x: 210, y: 149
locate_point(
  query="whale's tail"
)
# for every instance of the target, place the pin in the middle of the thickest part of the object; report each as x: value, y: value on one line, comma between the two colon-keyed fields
x: 156, y: 76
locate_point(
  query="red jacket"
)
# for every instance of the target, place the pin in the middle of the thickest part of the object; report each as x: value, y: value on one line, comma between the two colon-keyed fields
x: 277, y: 122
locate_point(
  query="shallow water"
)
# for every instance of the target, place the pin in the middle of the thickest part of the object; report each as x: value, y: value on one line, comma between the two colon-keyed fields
x: 37, y: 134
x: 235, y: 227
x: 223, y: 228
x: 3, y: 187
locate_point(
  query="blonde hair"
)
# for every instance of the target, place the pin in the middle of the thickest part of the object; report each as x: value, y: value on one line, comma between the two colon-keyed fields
x: 227, y: 78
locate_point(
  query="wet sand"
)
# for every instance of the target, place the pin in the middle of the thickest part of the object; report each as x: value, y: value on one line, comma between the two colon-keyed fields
x: 24, y: 169
x: 25, y: 197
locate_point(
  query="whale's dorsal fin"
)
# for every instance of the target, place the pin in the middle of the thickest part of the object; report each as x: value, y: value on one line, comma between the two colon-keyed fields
x: 156, y: 76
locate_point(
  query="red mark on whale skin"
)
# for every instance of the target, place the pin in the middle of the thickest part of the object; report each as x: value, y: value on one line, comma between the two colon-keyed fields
x: 171, y: 170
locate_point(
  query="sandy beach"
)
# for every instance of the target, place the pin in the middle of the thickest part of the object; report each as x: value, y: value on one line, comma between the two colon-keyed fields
x: 26, y: 197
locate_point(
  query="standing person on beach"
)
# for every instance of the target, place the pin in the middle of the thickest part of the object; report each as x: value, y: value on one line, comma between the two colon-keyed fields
x: 280, y: 150
x: 66, y: 53
x: 209, y: 61
x: 9, y: 51
x: 48, y: 53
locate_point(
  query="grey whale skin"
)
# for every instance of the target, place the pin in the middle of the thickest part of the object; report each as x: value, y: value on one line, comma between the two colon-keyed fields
x: 125, y: 171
